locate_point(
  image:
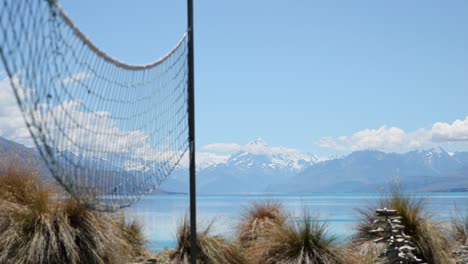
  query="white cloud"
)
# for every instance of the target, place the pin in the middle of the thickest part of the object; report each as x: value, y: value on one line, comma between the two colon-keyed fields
x: 206, y: 159
x: 223, y: 147
x: 75, y: 78
x: 69, y: 127
x: 91, y: 134
x: 97, y: 134
x: 12, y: 125
x: 256, y: 147
x: 396, y: 139
x: 455, y: 132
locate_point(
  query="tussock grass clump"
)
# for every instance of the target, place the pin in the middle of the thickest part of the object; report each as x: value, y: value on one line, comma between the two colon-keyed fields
x: 37, y: 227
x: 133, y: 236
x: 459, y: 227
x: 363, y: 240
x: 257, y: 218
x: 427, y: 233
x: 305, y: 241
x: 211, y: 249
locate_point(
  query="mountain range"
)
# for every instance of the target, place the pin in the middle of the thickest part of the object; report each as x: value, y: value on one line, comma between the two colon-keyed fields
x: 249, y: 171
x: 369, y: 170
x: 12, y: 153
x: 288, y: 171
x: 361, y: 171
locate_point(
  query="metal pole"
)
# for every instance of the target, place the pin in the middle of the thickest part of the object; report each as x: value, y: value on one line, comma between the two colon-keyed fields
x: 191, y: 109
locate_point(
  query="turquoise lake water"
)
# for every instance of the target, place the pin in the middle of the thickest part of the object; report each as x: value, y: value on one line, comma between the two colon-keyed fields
x: 160, y: 214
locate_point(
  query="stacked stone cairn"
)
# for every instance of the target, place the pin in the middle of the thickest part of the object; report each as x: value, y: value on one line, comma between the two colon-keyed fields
x: 400, y: 249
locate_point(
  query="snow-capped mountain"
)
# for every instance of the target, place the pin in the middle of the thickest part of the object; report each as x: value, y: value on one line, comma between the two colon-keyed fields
x: 436, y: 159
x: 422, y: 170
x: 259, y: 168
x: 256, y: 167
x: 258, y: 154
x: 251, y: 169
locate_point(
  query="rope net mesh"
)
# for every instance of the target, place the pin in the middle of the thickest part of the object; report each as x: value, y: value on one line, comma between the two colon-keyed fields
x: 109, y: 132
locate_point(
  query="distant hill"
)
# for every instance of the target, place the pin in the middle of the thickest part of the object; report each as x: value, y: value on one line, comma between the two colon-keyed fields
x: 245, y: 171
x: 251, y: 172
x: 422, y: 170
x: 13, y: 154
x: 361, y: 171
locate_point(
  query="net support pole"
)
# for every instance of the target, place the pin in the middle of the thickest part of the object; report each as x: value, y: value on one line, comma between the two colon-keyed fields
x: 191, y: 116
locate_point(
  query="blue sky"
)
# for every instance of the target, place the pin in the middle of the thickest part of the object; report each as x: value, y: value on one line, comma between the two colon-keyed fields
x: 303, y: 73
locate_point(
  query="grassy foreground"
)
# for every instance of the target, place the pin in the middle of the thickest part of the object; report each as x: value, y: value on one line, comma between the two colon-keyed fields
x: 268, y: 234
x: 430, y: 238
x: 36, y: 227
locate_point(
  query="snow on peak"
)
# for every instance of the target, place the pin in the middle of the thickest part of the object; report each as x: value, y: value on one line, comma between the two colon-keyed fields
x: 257, y: 142
x: 205, y: 160
x: 259, y: 154
x: 437, y: 150
x: 254, y: 154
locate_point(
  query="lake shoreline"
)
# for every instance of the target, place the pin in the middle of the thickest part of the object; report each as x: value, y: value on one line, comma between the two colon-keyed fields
x: 159, y: 214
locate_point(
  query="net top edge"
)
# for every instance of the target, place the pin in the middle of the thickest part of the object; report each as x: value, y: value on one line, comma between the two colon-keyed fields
x: 105, y: 56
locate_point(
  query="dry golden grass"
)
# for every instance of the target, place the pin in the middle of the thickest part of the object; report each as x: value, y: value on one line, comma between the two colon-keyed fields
x: 133, y: 236
x: 305, y: 241
x: 362, y: 243
x: 366, y: 250
x: 36, y: 227
x: 428, y: 235
x: 459, y: 227
x: 212, y: 249
x: 257, y: 218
